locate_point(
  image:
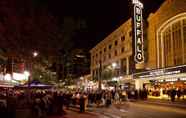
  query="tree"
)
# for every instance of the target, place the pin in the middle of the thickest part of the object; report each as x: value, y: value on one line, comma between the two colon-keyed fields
x: 107, y: 74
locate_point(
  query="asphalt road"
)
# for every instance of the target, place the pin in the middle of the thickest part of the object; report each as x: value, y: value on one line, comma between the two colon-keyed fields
x: 142, y: 110
x: 129, y: 110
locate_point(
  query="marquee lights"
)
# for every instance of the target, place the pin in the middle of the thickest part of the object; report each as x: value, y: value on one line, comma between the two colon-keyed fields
x: 160, y: 73
x: 138, y: 30
x: 183, y: 79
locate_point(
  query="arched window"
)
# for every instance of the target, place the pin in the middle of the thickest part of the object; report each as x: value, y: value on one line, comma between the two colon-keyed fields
x: 172, y: 42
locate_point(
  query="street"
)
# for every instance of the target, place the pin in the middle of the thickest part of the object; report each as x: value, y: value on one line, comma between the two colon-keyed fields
x: 133, y: 110
x: 74, y: 113
x: 140, y: 110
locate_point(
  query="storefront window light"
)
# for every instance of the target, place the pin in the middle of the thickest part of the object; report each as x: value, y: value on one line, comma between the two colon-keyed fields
x: 171, y: 80
x: 183, y: 79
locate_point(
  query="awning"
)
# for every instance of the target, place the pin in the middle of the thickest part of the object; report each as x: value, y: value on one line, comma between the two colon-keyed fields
x: 35, y: 84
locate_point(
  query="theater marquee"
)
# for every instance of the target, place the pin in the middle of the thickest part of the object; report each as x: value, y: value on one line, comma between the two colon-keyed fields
x: 138, y: 34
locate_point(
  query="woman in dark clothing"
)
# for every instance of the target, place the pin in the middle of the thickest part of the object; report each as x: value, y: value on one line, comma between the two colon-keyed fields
x: 82, y: 103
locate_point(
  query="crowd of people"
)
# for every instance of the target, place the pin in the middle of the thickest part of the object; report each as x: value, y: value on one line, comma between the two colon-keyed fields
x: 42, y: 103
x: 171, y: 93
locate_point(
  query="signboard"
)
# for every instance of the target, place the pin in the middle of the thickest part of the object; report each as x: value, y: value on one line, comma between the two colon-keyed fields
x: 138, y: 34
x: 161, y: 72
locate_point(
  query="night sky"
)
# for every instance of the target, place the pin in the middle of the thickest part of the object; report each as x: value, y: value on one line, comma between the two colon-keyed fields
x: 52, y: 25
x: 100, y: 17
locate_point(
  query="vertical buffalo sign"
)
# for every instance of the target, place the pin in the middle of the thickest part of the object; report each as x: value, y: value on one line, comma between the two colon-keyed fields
x: 138, y: 34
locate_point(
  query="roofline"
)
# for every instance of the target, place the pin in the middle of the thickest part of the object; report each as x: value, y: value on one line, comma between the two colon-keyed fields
x: 107, y: 37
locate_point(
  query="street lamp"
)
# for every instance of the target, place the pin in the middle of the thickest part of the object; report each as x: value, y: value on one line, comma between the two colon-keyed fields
x: 114, y: 65
x: 35, y: 54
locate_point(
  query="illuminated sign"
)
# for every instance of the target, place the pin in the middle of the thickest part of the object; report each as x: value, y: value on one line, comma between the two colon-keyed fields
x: 161, y: 72
x: 183, y: 79
x: 138, y: 3
x: 138, y: 32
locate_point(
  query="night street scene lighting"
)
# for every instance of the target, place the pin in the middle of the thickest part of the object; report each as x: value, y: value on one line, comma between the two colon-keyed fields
x: 35, y: 54
x: 93, y: 59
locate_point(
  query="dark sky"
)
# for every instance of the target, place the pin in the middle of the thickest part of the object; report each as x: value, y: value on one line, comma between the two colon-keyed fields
x: 100, y: 16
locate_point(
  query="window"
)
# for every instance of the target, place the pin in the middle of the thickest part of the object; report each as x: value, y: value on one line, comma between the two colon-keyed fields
x: 105, y: 50
x: 167, y: 49
x: 100, y: 52
x: 122, y: 49
x: 173, y: 43
x: 96, y: 55
x: 176, y: 32
x: 110, y: 46
x: 109, y: 55
x: 116, y: 43
x: 116, y: 53
x: 123, y: 38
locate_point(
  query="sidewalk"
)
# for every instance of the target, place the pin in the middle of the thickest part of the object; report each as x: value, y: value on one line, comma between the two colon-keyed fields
x: 177, y: 104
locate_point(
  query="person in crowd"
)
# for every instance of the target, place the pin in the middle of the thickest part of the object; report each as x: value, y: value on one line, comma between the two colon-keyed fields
x: 67, y: 99
x: 116, y: 97
x: 108, y: 99
x: 179, y: 93
x: 173, y: 94
x: 183, y: 93
x: 3, y: 106
x: 113, y: 94
x: 98, y: 98
x: 11, y: 105
x: 82, y: 102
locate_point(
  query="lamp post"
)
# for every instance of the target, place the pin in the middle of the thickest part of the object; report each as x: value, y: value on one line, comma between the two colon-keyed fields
x: 114, y: 67
x: 100, y: 75
x: 29, y: 74
x: 34, y: 55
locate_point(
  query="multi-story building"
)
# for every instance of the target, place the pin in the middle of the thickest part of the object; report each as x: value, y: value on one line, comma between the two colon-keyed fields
x: 115, y: 50
x: 166, y: 37
x: 166, y: 48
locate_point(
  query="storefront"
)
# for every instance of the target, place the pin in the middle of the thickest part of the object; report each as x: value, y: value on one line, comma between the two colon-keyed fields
x: 9, y: 80
x: 159, y: 82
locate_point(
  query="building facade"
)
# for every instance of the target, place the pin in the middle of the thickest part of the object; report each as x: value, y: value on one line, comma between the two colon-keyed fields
x: 114, y: 50
x: 165, y: 38
x: 167, y: 35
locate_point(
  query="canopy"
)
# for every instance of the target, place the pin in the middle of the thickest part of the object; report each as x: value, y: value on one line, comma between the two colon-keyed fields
x: 35, y: 84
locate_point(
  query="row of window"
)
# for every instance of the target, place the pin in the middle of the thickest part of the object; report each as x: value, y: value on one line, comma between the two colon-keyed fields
x: 110, y: 46
x: 115, y: 43
x: 106, y: 50
x: 104, y: 57
x: 120, y: 71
